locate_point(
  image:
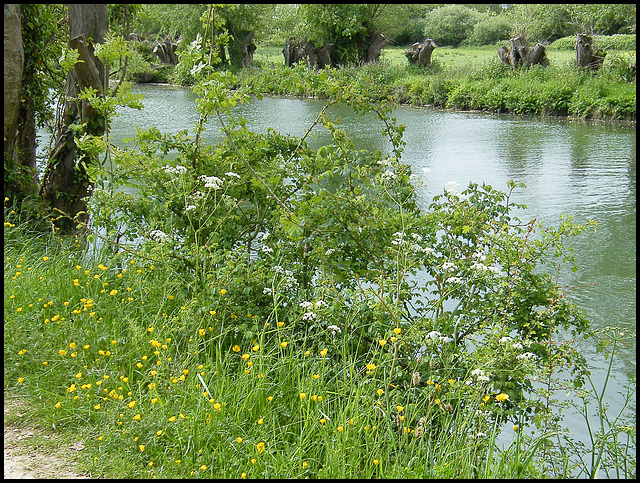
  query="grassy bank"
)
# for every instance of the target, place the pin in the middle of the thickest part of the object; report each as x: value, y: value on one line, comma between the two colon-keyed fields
x: 116, y: 353
x: 466, y: 79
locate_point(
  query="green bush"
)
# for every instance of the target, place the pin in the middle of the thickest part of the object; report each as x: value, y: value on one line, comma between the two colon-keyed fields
x: 489, y: 30
x: 450, y: 25
x: 604, y: 42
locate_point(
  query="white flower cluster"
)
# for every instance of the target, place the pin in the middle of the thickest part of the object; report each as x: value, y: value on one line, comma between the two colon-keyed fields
x: 159, y: 236
x: 399, y: 239
x: 453, y: 191
x: 448, y: 266
x: 175, y: 170
x: 231, y: 174
x: 289, y: 280
x: 434, y: 335
x: 211, y: 181
x: 388, y: 174
x: 334, y: 329
x: 527, y: 356
x: 480, y: 375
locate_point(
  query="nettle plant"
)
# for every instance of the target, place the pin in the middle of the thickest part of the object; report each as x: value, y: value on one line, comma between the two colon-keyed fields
x: 331, y: 242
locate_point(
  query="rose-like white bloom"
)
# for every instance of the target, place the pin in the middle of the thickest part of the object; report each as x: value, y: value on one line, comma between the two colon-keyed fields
x: 433, y: 335
x: 526, y: 355
x: 479, y: 266
x: 479, y: 256
x: 504, y: 340
x: 495, y: 270
x: 388, y: 174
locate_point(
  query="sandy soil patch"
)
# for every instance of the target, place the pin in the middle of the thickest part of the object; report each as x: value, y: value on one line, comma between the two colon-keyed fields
x: 30, y: 452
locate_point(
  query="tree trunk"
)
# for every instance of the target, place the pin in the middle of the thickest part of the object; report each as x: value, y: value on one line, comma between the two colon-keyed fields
x: 420, y: 53
x: 20, y: 171
x: 166, y: 51
x: 296, y: 50
x: 520, y: 54
x: 588, y: 57
x: 66, y: 183
x: 247, y: 48
x: 378, y: 41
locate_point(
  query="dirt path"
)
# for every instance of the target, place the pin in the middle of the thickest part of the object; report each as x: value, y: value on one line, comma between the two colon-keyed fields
x: 30, y: 452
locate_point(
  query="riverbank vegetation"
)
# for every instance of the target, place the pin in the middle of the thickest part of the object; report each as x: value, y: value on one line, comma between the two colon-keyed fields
x: 224, y: 322
x: 251, y: 308
x: 470, y: 79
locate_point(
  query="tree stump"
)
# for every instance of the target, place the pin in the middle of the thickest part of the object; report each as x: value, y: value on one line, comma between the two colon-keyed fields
x: 166, y: 52
x: 378, y: 41
x: 521, y: 54
x: 247, y: 48
x: 296, y: 50
x: 587, y: 56
x: 420, y: 52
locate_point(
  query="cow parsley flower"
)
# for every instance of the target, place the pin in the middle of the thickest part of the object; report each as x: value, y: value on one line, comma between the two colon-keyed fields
x: 433, y: 335
x: 211, y: 181
x: 159, y: 236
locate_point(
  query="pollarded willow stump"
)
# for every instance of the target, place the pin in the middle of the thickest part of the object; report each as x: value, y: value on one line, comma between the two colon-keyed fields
x: 378, y: 41
x: 296, y: 50
x: 420, y: 52
x: 247, y: 49
x: 587, y: 56
x: 166, y: 51
x: 521, y: 54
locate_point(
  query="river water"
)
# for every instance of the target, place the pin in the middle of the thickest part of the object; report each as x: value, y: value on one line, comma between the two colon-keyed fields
x: 584, y: 169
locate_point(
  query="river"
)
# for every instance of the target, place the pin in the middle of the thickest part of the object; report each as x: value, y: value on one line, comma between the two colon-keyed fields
x: 584, y: 169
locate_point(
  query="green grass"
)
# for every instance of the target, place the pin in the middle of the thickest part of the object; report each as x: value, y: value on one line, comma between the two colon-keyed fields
x: 466, y: 78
